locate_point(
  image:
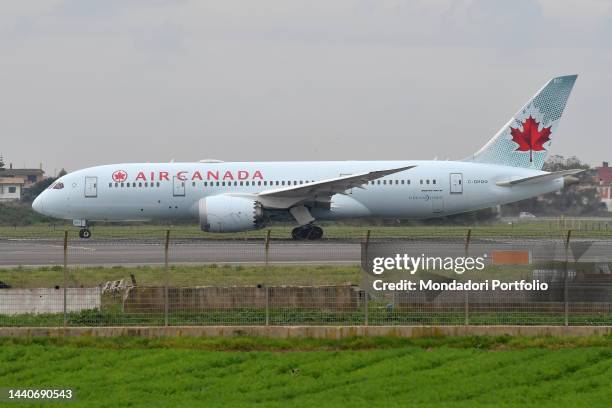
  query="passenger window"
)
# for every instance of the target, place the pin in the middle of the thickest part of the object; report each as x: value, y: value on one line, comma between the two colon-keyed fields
x: 146, y: 184
x: 265, y: 183
x: 158, y: 184
x: 259, y: 183
x: 122, y: 185
x: 242, y: 183
x: 433, y: 181
x: 217, y: 184
x: 235, y: 183
x: 408, y: 181
x: 205, y: 183
x: 421, y: 181
x: 110, y: 184
x: 283, y: 182
x: 427, y: 181
x: 402, y: 181
x: 277, y: 182
x: 116, y: 184
x: 140, y: 184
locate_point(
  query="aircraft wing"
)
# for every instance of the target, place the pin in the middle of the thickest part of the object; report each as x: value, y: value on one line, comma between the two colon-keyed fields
x: 539, y: 178
x: 322, y: 189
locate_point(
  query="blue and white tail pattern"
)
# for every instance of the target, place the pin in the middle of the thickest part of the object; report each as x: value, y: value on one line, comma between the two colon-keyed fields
x: 525, y: 140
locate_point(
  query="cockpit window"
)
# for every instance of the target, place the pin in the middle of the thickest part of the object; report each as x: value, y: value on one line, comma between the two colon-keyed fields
x: 58, y: 186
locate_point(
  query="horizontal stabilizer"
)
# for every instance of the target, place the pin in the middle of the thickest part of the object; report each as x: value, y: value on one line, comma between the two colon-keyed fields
x: 539, y: 178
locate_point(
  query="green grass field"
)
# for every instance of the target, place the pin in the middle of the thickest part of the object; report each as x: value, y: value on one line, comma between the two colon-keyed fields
x: 542, y: 228
x: 204, y: 275
x: 359, y: 372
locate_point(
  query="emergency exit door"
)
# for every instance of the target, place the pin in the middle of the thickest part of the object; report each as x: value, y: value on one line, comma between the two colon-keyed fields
x: 91, y: 187
x: 456, y: 183
x: 178, y: 187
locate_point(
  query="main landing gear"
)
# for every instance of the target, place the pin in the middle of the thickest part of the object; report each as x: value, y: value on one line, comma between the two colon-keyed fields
x: 307, y: 232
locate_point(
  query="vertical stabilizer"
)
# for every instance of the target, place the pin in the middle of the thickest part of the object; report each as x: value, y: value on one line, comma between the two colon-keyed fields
x: 525, y: 140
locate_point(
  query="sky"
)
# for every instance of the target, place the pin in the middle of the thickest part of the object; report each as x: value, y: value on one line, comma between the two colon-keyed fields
x: 88, y: 82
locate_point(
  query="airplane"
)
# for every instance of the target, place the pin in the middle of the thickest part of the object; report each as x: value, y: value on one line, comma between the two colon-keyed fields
x: 242, y: 196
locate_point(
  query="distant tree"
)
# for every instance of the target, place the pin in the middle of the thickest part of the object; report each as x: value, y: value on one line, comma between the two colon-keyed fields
x: 1, y: 162
x: 16, y: 214
x: 34, y: 191
x: 576, y: 200
x: 29, y: 194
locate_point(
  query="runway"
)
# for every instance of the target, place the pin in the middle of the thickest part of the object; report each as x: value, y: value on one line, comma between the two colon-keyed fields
x: 326, y: 252
x: 109, y: 253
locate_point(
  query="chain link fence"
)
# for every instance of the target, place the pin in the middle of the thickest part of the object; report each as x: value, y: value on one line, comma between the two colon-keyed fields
x: 156, y: 277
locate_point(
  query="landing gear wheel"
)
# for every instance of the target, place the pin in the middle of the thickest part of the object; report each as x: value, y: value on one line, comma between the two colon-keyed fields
x: 307, y: 232
x: 296, y: 234
x: 85, y: 233
x: 315, y: 233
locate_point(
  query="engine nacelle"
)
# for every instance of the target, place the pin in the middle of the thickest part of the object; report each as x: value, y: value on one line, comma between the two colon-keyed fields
x: 225, y: 213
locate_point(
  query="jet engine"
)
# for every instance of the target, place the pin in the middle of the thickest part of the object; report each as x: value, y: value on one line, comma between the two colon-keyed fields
x: 226, y: 213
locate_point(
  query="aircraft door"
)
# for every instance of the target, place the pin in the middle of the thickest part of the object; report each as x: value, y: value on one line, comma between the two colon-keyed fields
x: 456, y: 183
x: 91, y: 187
x: 178, y: 187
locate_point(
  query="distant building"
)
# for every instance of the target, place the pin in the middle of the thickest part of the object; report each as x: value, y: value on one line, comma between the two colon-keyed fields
x: 10, y: 188
x: 28, y: 176
x: 604, y: 184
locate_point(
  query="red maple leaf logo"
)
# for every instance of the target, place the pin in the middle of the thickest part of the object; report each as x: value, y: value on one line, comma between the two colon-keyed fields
x: 119, y: 176
x: 530, y: 138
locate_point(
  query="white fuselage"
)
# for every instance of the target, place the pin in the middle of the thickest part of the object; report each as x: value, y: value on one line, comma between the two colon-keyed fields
x: 147, y: 191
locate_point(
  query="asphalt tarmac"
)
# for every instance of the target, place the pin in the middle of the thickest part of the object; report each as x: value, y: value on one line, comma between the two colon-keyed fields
x: 326, y: 252
x: 143, y: 252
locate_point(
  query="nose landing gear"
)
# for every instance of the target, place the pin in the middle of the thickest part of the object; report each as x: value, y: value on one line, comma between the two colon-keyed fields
x: 307, y: 232
x: 84, y: 233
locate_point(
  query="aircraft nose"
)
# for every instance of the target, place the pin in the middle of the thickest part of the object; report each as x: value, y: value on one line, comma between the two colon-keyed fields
x: 37, y: 205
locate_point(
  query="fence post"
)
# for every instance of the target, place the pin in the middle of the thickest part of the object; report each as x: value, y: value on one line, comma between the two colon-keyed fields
x: 267, y: 248
x: 565, y: 292
x: 65, y: 276
x: 267, y: 306
x: 466, y: 308
x: 166, y: 276
x: 366, y: 297
x: 366, y: 247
